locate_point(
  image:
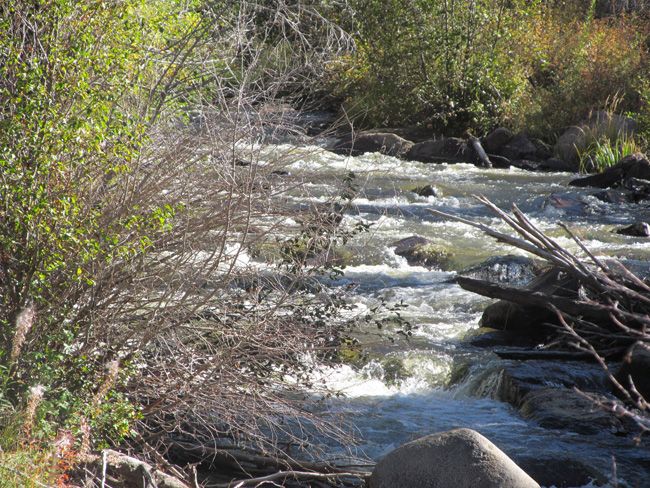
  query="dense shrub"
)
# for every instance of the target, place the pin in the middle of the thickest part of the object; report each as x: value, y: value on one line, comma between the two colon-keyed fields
x: 467, y: 64
x: 445, y: 64
x: 575, y: 63
x: 125, y: 222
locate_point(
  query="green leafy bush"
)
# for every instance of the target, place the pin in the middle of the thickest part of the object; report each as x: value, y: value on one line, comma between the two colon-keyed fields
x: 443, y: 64
x: 80, y: 83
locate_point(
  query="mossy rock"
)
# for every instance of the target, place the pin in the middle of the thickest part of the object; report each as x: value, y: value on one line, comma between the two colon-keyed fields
x: 432, y: 255
x: 394, y: 370
x: 350, y: 352
x: 420, y: 251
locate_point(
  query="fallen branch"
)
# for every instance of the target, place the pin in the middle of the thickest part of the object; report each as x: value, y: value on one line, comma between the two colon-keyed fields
x: 295, y: 475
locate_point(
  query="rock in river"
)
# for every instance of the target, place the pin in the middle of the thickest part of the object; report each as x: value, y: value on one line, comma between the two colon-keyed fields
x: 420, y: 251
x: 632, y: 166
x: 446, y: 149
x: 369, y: 141
x: 460, y: 458
x: 638, y: 229
x: 511, y: 269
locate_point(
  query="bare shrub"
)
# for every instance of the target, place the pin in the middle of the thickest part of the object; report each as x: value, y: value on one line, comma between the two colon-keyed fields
x: 130, y: 259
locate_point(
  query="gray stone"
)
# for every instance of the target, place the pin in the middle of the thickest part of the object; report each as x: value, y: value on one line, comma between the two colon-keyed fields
x: 495, y: 140
x: 499, y: 161
x: 563, y: 408
x: 520, y: 147
x: 446, y: 149
x: 556, y: 164
x: 569, y: 144
x: 419, y: 251
x: 426, y: 191
x: 600, y: 124
x: 123, y: 470
x: 511, y: 269
x: 460, y: 458
x: 544, y: 151
x: 381, y: 142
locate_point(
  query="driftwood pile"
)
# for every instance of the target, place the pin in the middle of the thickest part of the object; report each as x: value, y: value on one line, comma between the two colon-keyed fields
x: 605, y: 315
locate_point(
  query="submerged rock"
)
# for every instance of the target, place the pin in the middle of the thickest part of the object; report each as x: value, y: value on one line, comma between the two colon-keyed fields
x: 382, y: 142
x: 460, y: 458
x: 545, y: 392
x: 426, y: 191
x: 638, y: 229
x: 563, y: 408
x: 561, y: 472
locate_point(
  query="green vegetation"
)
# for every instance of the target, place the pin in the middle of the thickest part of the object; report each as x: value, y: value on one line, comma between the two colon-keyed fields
x: 605, y: 152
x: 130, y: 196
x: 124, y: 217
x: 466, y: 64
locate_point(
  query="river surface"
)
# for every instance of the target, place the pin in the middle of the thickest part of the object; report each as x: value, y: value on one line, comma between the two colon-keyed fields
x: 389, y: 413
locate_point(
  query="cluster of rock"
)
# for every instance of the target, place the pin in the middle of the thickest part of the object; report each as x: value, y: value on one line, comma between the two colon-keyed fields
x: 628, y: 181
x: 502, y: 147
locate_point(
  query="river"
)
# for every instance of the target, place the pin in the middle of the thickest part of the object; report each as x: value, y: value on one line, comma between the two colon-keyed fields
x: 389, y: 413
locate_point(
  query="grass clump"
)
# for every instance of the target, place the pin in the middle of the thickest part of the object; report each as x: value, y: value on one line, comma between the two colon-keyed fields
x: 605, y: 152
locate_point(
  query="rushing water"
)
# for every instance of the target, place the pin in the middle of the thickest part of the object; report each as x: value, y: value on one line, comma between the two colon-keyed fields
x: 388, y: 414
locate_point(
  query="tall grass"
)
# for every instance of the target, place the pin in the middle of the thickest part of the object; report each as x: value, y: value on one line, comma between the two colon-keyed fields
x: 605, y: 152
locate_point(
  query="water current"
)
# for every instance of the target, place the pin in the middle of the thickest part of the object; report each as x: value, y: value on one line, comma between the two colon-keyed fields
x: 389, y: 413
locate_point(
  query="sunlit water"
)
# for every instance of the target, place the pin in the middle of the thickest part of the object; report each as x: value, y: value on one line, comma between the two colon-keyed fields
x: 388, y: 414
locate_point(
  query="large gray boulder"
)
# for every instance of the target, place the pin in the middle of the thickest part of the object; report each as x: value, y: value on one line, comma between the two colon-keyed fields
x: 519, y: 147
x: 495, y: 140
x: 370, y: 141
x: 598, y: 125
x: 460, y: 458
x: 445, y: 149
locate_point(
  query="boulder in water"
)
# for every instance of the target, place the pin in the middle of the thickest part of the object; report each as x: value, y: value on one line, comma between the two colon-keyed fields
x: 511, y: 269
x: 495, y: 140
x: 445, y: 149
x: 381, y: 142
x: 519, y: 147
x: 563, y: 408
x: 420, y: 251
x: 561, y: 472
x: 638, y: 229
x: 426, y: 191
x: 632, y: 166
x: 460, y: 458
